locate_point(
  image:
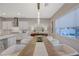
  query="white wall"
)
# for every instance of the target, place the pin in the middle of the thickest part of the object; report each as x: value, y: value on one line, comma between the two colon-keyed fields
x: 23, y: 25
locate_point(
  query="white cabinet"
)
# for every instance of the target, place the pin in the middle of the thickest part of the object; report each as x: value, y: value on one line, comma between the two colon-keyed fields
x: 7, y: 25
x: 8, y: 40
x: 11, y: 41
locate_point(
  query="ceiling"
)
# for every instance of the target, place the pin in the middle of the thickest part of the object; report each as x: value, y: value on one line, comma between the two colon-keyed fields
x: 28, y: 10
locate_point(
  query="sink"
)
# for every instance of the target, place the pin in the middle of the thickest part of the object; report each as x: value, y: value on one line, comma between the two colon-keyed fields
x: 66, y: 50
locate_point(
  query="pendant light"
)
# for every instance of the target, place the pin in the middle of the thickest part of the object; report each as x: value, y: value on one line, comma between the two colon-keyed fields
x: 38, y: 8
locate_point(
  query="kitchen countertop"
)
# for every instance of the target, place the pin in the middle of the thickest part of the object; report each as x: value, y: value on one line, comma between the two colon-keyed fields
x: 6, y: 36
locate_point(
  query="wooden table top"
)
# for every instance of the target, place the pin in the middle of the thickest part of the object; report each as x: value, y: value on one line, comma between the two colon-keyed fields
x: 50, y: 48
x: 29, y: 49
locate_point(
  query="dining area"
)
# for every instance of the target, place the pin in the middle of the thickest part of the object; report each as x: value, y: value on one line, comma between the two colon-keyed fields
x: 40, y: 46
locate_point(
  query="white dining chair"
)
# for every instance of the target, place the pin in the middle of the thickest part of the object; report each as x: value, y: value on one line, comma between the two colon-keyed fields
x: 66, y: 50
x: 53, y: 41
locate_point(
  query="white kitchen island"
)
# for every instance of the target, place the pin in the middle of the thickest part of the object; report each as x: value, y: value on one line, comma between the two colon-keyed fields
x: 7, y: 40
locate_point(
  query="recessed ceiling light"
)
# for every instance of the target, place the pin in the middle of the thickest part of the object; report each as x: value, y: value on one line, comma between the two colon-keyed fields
x: 18, y: 13
x: 3, y: 13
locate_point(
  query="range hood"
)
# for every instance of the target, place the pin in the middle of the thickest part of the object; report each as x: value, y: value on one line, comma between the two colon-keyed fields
x: 16, y: 22
x: 15, y: 25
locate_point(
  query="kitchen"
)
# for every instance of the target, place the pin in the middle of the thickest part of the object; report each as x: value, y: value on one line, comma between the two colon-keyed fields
x: 26, y: 29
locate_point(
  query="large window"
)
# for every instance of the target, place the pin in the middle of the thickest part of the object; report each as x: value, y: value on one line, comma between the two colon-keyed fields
x: 68, y: 25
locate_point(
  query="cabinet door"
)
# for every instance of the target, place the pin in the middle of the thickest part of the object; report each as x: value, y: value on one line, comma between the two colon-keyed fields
x: 7, y: 25
x: 11, y: 41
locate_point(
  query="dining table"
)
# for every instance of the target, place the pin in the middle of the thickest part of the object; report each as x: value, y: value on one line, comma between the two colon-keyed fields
x: 43, y: 48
